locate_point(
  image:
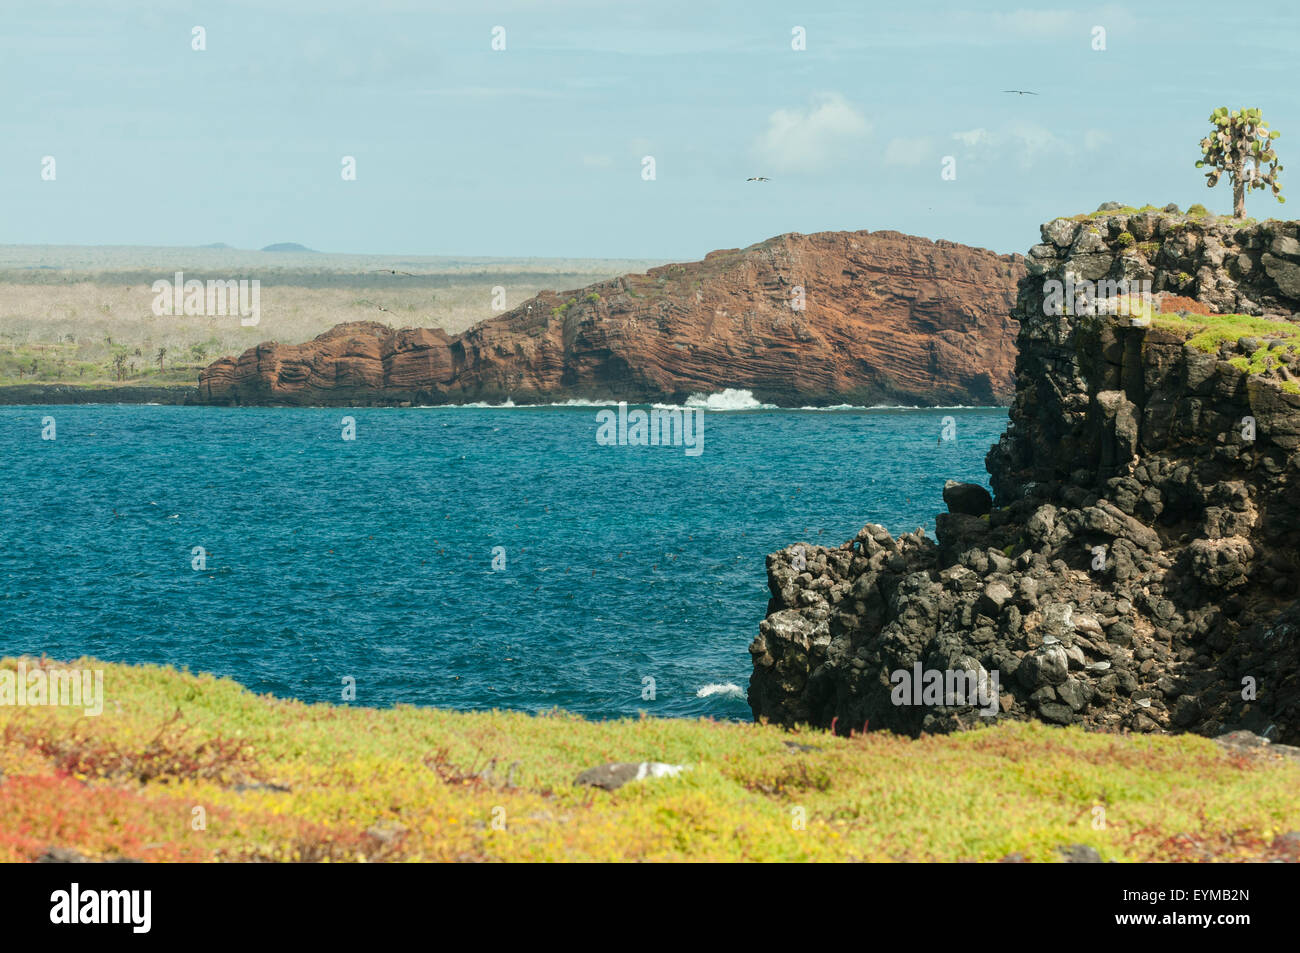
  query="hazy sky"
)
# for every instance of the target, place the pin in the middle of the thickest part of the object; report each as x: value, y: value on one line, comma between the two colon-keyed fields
x: 537, y: 149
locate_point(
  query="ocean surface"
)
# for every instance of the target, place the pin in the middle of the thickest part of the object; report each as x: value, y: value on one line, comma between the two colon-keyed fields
x: 373, y: 559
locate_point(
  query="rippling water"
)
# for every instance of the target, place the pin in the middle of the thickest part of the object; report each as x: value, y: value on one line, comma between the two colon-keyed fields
x: 373, y: 558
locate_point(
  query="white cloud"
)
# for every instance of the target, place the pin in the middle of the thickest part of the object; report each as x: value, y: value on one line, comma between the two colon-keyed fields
x: 1033, y: 142
x: 828, y: 131
x: 974, y: 139
x: 1094, y: 139
x: 1039, y: 23
x: 1019, y: 141
x: 909, y: 151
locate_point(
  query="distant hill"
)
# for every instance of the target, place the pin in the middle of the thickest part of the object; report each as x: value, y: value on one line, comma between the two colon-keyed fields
x: 833, y: 318
x: 287, y: 246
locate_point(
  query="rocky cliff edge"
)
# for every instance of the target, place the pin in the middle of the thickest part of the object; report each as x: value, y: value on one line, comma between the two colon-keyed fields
x: 1138, y: 566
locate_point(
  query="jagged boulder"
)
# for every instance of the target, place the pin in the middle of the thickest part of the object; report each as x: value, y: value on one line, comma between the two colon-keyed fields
x: 969, y: 499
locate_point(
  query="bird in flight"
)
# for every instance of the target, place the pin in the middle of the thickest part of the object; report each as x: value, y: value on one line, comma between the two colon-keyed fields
x: 1022, y: 92
x: 758, y: 178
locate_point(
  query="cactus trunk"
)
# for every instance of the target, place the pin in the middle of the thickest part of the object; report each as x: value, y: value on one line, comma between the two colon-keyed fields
x: 1239, y: 191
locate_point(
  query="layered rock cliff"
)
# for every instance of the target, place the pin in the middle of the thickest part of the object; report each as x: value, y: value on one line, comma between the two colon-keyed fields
x: 1138, y: 566
x: 836, y: 317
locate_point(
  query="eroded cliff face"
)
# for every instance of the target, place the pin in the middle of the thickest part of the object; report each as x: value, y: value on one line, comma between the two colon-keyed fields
x: 1139, y: 565
x: 885, y: 317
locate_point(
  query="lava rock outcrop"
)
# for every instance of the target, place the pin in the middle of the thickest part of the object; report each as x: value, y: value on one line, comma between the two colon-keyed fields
x: 1139, y: 568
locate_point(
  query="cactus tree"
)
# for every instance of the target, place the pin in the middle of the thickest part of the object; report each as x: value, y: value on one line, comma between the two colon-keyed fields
x: 1241, y: 145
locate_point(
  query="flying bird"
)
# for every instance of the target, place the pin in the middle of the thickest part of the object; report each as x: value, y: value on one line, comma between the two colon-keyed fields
x: 1022, y: 92
x: 758, y: 178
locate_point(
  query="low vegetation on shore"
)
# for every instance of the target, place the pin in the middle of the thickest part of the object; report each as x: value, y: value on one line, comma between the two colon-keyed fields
x: 1258, y: 345
x: 181, y: 767
x: 89, y: 321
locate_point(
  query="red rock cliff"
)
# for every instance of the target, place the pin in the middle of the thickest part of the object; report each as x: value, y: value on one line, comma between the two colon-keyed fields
x: 886, y: 317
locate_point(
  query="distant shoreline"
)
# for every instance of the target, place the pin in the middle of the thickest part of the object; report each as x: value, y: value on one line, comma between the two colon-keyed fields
x: 35, y: 395
x: 18, y: 395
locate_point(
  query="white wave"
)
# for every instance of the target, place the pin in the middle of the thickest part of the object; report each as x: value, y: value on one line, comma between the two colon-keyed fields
x: 927, y: 407
x: 906, y: 407
x: 726, y: 690
x: 729, y: 399
x: 578, y: 402
x: 725, y: 400
x: 511, y: 405
x: 479, y: 405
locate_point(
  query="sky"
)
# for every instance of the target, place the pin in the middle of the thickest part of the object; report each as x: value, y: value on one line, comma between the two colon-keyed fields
x: 539, y: 149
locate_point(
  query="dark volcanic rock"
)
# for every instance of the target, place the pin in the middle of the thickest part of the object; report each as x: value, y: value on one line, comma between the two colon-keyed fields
x: 1249, y: 743
x: 67, y: 855
x: 62, y: 855
x: 836, y: 317
x: 1140, y: 568
x: 970, y: 499
x: 1079, y: 854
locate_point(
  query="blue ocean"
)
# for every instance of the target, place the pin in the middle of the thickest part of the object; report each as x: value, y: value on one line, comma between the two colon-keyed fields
x: 462, y: 557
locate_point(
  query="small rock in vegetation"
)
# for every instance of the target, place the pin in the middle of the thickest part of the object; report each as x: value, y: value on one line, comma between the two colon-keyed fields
x: 613, y: 776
